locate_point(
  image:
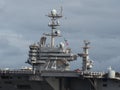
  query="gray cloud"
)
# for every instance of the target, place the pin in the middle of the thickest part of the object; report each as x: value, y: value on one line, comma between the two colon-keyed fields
x: 23, y: 22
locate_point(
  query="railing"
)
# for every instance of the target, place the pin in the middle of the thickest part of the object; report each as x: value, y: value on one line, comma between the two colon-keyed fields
x: 16, y: 72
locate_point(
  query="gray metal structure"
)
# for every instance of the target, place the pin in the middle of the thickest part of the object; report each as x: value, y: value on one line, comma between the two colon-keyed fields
x: 50, y: 67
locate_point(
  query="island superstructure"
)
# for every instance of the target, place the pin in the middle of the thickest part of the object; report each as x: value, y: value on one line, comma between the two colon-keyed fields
x: 48, y: 56
x: 51, y: 67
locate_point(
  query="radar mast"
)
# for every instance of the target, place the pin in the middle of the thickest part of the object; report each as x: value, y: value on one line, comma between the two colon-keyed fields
x: 54, y: 15
x: 87, y: 63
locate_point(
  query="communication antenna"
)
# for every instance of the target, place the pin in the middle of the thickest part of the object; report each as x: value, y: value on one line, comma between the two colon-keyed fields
x: 61, y: 11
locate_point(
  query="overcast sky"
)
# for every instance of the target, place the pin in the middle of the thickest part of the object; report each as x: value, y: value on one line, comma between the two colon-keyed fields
x: 22, y: 22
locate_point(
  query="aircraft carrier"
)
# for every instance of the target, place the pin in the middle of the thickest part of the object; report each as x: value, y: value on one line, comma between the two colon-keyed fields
x: 51, y: 67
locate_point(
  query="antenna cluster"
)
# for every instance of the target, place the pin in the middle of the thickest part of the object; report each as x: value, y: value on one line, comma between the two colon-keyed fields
x: 54, y: 15
x: 87, y: 63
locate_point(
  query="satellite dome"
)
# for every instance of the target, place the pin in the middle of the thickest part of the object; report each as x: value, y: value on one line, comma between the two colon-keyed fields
x: 54, y: 12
